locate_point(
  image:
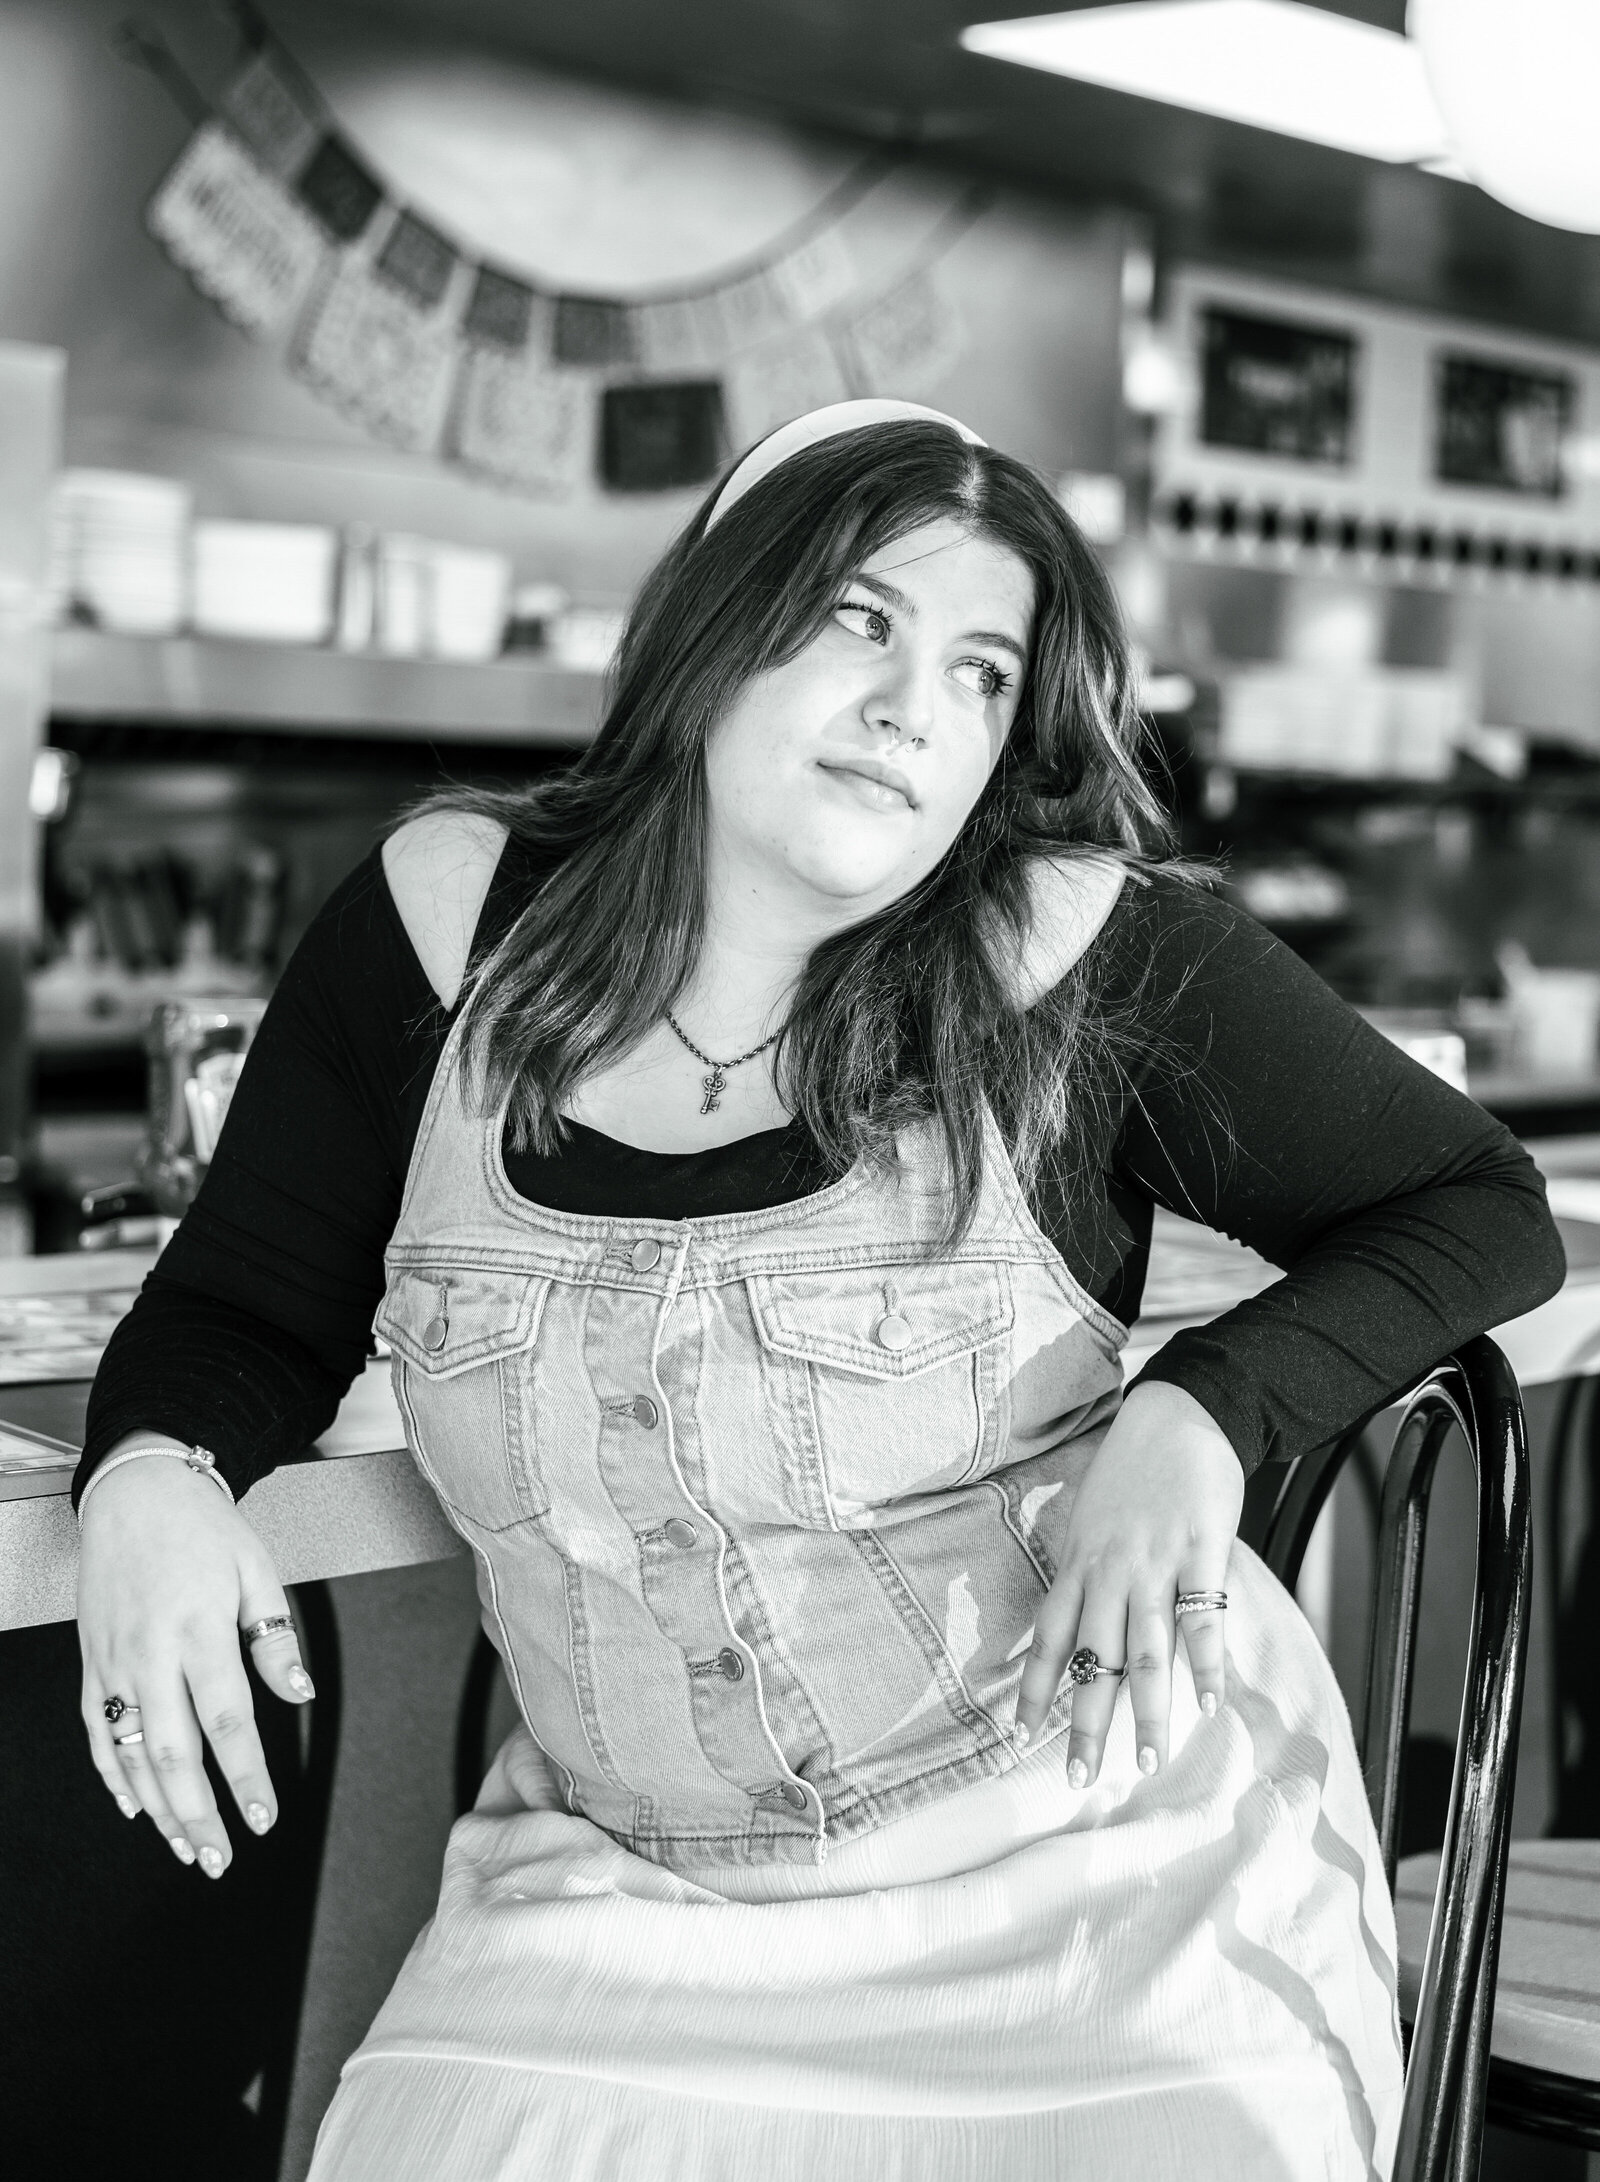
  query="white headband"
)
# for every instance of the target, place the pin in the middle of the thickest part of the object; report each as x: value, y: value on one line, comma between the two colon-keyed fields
x: 819, y: 424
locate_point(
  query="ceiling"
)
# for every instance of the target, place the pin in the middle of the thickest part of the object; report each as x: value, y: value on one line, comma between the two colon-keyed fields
x: 891, y: 70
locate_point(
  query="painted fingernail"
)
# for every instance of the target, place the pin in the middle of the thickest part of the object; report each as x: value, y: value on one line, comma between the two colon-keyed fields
x: 180, y: 1848
x: 257, y: 1817
x: 300, y: 1682
x: 1077, y: 1774
x: 127, y: 1806
x: 1148, y: 1761
x: 211, y: 1862
x: 1021, y: 1736
x: 1208, y: 1703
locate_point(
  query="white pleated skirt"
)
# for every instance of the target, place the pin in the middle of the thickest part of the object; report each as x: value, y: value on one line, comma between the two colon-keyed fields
x: 1182, y: 1979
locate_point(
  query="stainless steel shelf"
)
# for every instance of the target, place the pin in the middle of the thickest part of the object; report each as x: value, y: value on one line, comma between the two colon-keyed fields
x: 207, y: 682
x: 1512, y: 1087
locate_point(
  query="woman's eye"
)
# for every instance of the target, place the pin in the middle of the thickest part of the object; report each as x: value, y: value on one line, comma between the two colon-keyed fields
x: 873, y: 620
x: 987, y: 679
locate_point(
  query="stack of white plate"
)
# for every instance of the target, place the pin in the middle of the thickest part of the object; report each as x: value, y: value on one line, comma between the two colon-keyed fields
x: 471, y: 596
x: 121, y: 550
x: 273, y: 582
x: 439, y: 601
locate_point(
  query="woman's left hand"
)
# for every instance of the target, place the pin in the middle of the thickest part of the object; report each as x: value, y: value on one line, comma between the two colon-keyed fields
x: 1156, y: 1515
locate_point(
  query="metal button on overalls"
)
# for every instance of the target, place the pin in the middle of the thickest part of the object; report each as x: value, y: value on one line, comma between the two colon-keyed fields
x: 679, y: 1533
x: 646, y: 1255
x: 645, y: 1411
x: 731, y: 1664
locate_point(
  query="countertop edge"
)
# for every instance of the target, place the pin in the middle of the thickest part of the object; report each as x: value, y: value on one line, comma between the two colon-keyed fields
x: 316, y: 1519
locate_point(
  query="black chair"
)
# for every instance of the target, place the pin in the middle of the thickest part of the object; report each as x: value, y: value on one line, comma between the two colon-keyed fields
x: 310, y: 1801
x: 1558, y: 2002
x: 1573, y: 1559
x: 1448, y: 2067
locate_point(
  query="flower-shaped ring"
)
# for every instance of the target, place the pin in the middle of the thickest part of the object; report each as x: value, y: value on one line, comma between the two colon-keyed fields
x: 116, y: 1708
x: 1084, y: 1665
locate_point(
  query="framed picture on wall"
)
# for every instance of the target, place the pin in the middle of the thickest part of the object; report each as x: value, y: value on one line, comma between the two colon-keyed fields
x: 1501, y: 425
x: 1274, y: 386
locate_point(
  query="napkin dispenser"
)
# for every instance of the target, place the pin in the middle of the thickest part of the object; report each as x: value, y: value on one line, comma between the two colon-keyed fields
x: 196, y: 1050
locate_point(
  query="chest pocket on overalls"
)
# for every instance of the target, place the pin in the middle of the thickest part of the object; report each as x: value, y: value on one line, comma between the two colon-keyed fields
x: 895, y: 1376
x: 461, y: 1342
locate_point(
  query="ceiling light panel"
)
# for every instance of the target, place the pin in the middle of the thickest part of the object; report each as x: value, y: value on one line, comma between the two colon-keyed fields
x: 1273, y: 64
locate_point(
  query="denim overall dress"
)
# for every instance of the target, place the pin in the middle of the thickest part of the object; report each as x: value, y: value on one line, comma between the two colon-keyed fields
x: 762, y: 1508
x: 762, y: 1504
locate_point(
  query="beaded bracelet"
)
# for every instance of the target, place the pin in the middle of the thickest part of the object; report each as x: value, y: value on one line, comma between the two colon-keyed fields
x: 199, y: 1459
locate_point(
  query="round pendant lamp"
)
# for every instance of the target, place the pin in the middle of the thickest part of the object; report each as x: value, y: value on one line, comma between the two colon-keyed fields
x: 1518, y: 85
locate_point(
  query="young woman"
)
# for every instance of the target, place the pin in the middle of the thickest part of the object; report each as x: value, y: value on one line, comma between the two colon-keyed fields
x: 747, y: 1141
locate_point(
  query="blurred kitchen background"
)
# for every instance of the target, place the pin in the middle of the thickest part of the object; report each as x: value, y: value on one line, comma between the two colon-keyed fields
x: 356, y: 361
x: 362, y: 357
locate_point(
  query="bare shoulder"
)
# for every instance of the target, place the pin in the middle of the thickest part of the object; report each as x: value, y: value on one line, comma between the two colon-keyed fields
x: 1072, y: 896
x: 439, y: 867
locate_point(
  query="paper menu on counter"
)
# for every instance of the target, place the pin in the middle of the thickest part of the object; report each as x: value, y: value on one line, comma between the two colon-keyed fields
x: 32, y: 1462
x: 58, y: 1336
x: 1196, y: 1273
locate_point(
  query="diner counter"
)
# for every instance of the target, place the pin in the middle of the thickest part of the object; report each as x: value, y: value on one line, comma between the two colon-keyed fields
x: 357, y: 1503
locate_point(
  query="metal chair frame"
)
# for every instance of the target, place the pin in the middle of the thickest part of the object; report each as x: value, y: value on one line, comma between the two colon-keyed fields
x: 1475, y: 1390
x: 1574, y: 1439
x: 319, y: 1633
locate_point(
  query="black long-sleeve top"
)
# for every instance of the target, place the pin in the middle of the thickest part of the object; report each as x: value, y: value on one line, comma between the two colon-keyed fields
x: 1404, y: 1217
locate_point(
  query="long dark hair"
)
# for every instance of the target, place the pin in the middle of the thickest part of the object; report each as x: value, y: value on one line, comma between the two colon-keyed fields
x: 911, y: 1015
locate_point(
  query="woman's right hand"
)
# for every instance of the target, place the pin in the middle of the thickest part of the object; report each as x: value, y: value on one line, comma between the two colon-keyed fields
x: 168, y: 1574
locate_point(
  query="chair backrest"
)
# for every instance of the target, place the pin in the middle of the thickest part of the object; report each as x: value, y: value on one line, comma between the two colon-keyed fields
x: 1441, y: 2124
x: 312, y: 1804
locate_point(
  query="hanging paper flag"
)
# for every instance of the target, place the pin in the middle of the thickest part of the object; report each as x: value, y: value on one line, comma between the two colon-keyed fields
x: 516, y: 419
x: 339, y: 190
x: 417, y: 259
x: 381, y: 339
x: 677, y: 333
x: 754, y: 308
x: 522, y: 422
x: 591, y: 329
x: 782, y: 381
x: 238, y: 234
x: 661, y: 437
x: 500, y: 310
x: 266, y: 110
x: 820, y: 274
x: 905, y: 342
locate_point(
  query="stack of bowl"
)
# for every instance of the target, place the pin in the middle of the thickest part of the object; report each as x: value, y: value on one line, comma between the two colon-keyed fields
x: 121, y: 550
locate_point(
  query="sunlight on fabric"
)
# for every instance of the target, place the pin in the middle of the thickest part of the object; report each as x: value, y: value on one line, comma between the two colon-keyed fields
x: 1274, y: 64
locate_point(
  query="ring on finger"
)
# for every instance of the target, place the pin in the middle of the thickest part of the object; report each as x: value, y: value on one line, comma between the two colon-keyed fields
x: 115, y: 1707
x: 269, y: 1625
x: 1201, y: 1602
x: 1084, y: 1665
x: 122, y: 1741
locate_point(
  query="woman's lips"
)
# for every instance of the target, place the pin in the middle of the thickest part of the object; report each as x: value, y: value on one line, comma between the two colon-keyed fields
x: 880, y: 787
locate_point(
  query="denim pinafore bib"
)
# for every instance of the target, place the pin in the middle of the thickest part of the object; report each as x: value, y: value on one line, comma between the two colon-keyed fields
x: 762, y: 1505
